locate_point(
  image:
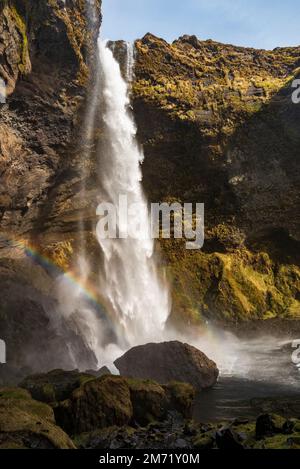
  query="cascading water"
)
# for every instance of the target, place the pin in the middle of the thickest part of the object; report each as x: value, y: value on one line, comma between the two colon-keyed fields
x: 130, y: 281
x: 136, y: 296
x: 129, y: 62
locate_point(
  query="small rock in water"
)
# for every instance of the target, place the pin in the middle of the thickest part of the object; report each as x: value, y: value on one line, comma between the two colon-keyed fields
x: 169, y: 361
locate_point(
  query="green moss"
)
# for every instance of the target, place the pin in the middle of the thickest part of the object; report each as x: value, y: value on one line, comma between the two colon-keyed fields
x: 96, y: 404
x: 274, y: 442
x: 56, y: 385
x: 232, y: 286
x: 22, y: 28
x: 203, y: 441
x: 22, y: 419
x: 296, y: 427
x: 83, y: 440
x: 14, y: 393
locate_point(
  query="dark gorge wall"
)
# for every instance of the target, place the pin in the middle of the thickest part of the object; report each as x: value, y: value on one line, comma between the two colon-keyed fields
x: 46, y: 50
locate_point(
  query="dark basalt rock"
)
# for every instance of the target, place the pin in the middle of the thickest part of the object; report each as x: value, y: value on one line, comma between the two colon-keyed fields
x: 169, y: 361
x: 269, y: 425
x: 226, y: 438
x: 175, y: 433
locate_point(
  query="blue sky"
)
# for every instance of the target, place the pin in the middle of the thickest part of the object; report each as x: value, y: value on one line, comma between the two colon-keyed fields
x: 256, y: 23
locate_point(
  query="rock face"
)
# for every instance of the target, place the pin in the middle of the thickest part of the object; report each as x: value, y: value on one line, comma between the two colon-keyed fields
x: 46, y: 48
x: 219, y: 127
x: 169, y: 361
x: 27, y: 323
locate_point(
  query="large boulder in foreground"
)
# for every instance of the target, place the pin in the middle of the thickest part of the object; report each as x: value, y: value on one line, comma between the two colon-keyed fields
x: 116, y: 401
x: 169, y: 361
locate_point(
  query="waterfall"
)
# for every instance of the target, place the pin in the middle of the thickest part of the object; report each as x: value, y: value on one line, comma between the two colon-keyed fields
x: 133, y: 290
x: 129, y: 280
x: 129, y: 62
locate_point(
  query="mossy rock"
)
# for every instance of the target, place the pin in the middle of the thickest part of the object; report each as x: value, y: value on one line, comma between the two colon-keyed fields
x: 216, y: 123
x: 102, y: 439
x: 116, y: 401
x: 204, y: 441
x: 278, y: 442
x: 149, y: 401
x: 296, y: 426
x: 23, y: 400
x: 269, y: 425
x: 100, y: 403
x: 181, y: 396
x: 25, y: 423
x: 55, y: 386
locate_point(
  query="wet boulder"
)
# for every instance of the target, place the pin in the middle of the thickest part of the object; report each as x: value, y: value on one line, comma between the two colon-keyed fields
x: 169, y: 361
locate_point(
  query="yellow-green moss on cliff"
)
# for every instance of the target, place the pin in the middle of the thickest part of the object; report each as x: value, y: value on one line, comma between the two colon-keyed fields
x: 24, y: 65
x: 232, y: 287
x: 19, y: 22
x: 199, y: 80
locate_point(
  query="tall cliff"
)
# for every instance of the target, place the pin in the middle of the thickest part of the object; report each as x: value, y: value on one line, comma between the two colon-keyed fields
x: 219, y: 127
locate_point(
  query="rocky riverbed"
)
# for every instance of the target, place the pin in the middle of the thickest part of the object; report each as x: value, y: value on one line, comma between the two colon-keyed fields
x: 76, y: 410
x: 95, y: 409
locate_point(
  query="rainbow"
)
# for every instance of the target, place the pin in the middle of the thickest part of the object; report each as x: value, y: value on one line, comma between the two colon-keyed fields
x: 86, y: 287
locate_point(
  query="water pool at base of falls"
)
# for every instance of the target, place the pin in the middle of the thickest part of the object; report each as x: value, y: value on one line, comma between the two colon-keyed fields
x: 263, y: 379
